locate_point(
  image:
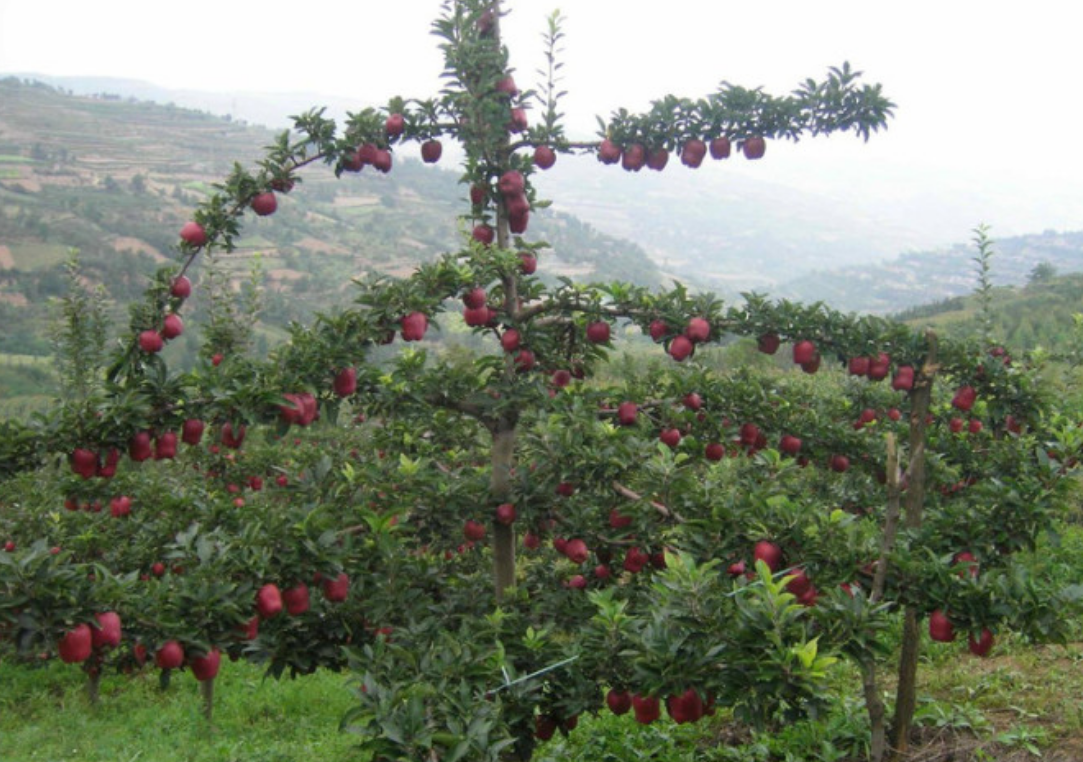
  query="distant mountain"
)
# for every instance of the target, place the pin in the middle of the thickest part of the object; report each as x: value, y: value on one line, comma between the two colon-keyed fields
x: 714, y: 228
x: 116, y: 178
x: 918, y: 278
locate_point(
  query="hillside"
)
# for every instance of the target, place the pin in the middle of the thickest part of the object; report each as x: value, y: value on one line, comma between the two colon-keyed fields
x: 918, y: 278
x: 1040, y: 313
x: 116, y: 178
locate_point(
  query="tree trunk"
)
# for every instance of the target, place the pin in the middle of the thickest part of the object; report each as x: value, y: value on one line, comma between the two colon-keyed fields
x: 503, y: 460
x: 206, y: 689
x: 906, y: 693
x: 93, y: 686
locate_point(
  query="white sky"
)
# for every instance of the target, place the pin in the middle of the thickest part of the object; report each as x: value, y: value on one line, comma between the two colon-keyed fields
x: 989, y: 94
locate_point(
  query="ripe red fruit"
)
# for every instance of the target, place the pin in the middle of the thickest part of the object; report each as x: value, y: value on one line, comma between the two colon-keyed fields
x: 511, y: 183
x: 658, y: 329
x: 879, y: 367
x: 633, y: 157
x: 608, y: 152
x: 647, y: 709
x: 381, y: 161
x: 544, y: 727
x: 170, y: 655
x: 84, y: 462
x: 804, y: 352
x: 619, y: 702
x: 414, y: 326
x: 336, y: 589
x: 956, y: 425
x: 524, y: 361
x: 233, y: 437
x: 894, y: 414
x: 158, y: 569
x: 561, y: 378
x: 474, y: 530
x: 9, y: 546
x: 657, y: 159
x: 693, y: 152
x: 528, y: 263
x: 172, y: 326
x: 839, y: 463
x: 576, y: 551
x: 518, y: 121
x: 859, y: 366
x: 975, y: 426
x: 966, y: 557
x: 531, y: 541
x: 598, y: 332
x: 635, y: 559
x: 964, y: 398
x: 714, y: 451
x: 192, y: 431
x: 940, y: 627
x: 217, y: 358
x: 510, y: 340
x: 736, y: 569
x: 151, y: 341
x: 76, y: 644
x: 812, y: 365
x: 698, y: 330
x: 601, y: 571
x: 769, y: 553
x: 269, y: 601
x: 484, y: 234
x: 181, y: 288
x: 205, y: 667
x: 685, y: 707
x: 431, y: 150
x: 296, y: 599
x: 670, y: 437
x: 107, y: 632
x: 680, y: 349
x: 578, y: 582
x: 345, y: 382
x: 754, y: 147
x: 749, y: 434
x: 618, y: 520
x: 165, y: 446
x: 193, y: 234
x: 120, y: 506
x: 475, y: 298
x: 626, y: 413
x: 394, y: 125
x: 506, y: 85
x: 768, y: 343
x: 544, y: 157
x: 517, y: 223
x: 352, y: 162
x: 904, y: 379
x: 264, y: 203
x: 982, y: 645
x: 720, y: 148
x: 505, y: 514
x: 789, y: 444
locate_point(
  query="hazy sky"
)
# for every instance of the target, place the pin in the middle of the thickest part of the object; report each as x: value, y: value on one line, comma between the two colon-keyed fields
x: 989, y: 94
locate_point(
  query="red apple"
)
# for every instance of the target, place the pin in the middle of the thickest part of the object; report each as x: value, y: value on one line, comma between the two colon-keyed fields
x: 714, y: 451
x: 264, y: 203
x: 839, y: 463
x: 619, y: 702
x: 904, y: 379
x: 982, y: 645
x: 414, y: 326
x: 76, y: 644
x: 940, y: 627
x: 769, y: 553
x: 170, y: 655
x: 720, y: 148
x: 598, y: 332
x: 394, y: 125
x: 192, y: 431
x: 474, y: 530
x: 544, y: 157
x: 608, y: 152
x: 151, y: 341
x: 296, y: 599
x: 475, y: 298
x: 633, y: 157
x: 528, y: 263
x: 657, y: 158
x: 165, y: 446
x: 336, y: 590
x: 206, y: 667
x: 859, y: 366
x: 680, y: 349
x: 181, y: 288
x: 658, y: 329
x: 524, y: 361
x: 804, y: 352
x: 172, y: 326
x: 964, y: 398
x: 382, y: 161
x: 754, y: 147
x: 120, y: 506
x: 345, y: 382
x: 626, y: 413
x: 431, y: 150
x: 768, y: 343
x: 505, y: 514
x: 693, y: 152
x: 670, y: 437
x: 269, y: 601
x: 698, y: 330
x: 789, y: 445
x: 107, y: 632
x: 647, y: 709
x: 193, y: 234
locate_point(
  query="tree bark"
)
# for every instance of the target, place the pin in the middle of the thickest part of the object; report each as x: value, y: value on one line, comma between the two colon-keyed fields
x: 906, y: 693
x: 503, y: 460
x: 206, y: 690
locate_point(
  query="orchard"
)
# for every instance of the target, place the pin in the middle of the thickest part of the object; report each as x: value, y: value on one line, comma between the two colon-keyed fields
x: 495, y: 544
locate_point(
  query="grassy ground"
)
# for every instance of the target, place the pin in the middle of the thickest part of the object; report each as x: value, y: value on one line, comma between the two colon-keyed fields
x: 45, y: 715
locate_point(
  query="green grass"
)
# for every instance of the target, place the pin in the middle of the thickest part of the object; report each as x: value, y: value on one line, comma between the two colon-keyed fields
x: 6, y: 158
x: 45, y: 715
